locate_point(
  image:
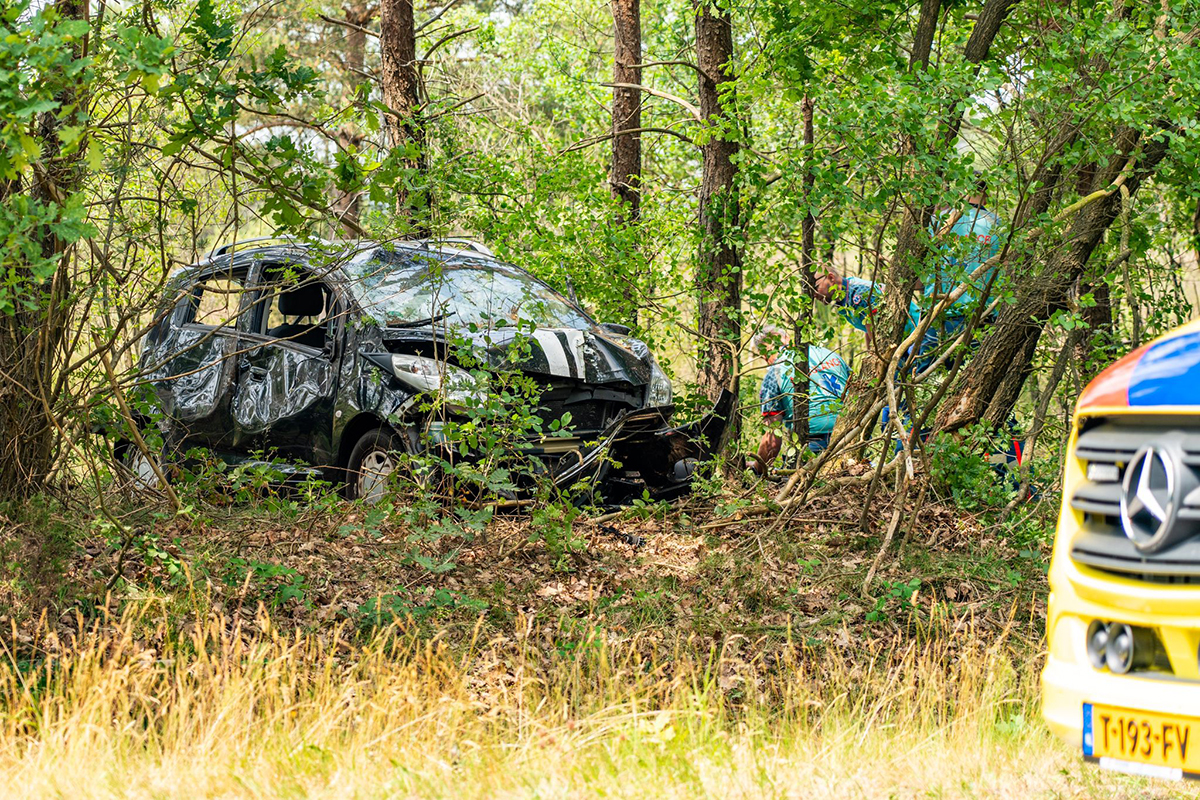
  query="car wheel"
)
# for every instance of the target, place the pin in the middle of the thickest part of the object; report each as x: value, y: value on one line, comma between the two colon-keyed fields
x: 138, y: 468
x: 372, y: 461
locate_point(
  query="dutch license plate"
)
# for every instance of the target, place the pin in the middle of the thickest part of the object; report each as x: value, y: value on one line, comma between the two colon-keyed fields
x: 1142, y: 742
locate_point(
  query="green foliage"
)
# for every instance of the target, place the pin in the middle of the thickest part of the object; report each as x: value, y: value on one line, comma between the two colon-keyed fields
x: 190, y: 122
x: 275, y: 583
x: 553, y: 523
x: 896, y: 599
x: 379, y: 611
x: 166, y: 556
x: 959, y: 468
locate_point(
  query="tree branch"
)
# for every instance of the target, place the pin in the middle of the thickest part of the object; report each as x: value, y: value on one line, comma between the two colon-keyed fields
x: 679, y: 101
x: 687, y: 64
x: 343, y: 23
x: 605, y: 137
x: 437, y: 16
x: 447, y: 38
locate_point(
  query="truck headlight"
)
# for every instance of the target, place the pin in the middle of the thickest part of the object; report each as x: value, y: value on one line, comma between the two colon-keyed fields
x: 459, y: 388
x: 658, y: 393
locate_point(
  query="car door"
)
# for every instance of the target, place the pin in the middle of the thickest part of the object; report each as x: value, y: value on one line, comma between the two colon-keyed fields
x: 285, y: 389
x: 191, y: 363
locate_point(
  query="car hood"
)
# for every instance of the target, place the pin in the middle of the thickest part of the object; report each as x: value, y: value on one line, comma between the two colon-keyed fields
x: 590, y: 356
x: 1164, y: 374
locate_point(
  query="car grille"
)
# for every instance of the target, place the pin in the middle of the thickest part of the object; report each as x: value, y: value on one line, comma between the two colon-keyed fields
x: 592, y: 408
x: 1106, y: 447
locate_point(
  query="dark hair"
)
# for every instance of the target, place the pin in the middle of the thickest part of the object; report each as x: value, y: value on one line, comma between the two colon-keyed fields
x: 980, y: 182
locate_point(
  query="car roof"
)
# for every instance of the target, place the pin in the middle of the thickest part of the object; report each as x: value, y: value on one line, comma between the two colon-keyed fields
x: 295, y: 248
x: 458, y: 251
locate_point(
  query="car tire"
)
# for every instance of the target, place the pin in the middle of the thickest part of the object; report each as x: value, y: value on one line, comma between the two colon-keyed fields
x: 138, y: 469
x: 372, y: 460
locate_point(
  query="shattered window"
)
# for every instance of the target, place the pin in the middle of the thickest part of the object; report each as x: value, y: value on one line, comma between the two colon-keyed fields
x: 217, y: 302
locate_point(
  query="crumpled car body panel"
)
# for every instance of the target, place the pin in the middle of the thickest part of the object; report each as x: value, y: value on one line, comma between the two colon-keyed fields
x: 200, y: 374
x: 592, y: 357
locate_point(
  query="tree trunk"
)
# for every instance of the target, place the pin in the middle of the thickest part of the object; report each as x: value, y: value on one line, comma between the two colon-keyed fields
x: 625, y: 176
x: 1196, y: 230
x: 807, y: 257
x: 32, y: 333
x: 358, y: 16
x: 912, y: 241
x: 992, y: 382
x: 403, y: 119
x: 864, y: 384
x: 923, y: 36
x: 1099, y: 320
x: 719, y: 267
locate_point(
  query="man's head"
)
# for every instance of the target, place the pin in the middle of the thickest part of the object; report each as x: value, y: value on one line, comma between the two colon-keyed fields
x: 826, y: 282
x: 769, y: 340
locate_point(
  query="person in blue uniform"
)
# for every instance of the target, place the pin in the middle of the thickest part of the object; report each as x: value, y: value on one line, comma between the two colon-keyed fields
x: 827, y: 377
x: 963, y: 240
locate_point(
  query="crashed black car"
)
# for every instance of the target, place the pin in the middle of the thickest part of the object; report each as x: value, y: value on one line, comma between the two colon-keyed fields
x: 319, y: 355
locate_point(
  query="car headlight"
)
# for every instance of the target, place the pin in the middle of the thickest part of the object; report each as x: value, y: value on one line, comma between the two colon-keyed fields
x: 460, y: 388
x: 658, y: 393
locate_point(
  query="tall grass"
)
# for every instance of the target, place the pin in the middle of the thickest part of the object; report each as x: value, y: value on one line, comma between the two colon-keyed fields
x: 227, y: 710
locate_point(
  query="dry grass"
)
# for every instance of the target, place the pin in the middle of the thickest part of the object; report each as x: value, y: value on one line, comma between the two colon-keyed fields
x: 227, y: 711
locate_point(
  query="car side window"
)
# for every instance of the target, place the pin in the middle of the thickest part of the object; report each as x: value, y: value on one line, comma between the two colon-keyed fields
x: 216, y: 302
x: 295, y: 307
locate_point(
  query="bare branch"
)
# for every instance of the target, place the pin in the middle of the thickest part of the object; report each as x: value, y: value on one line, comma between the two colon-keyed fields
x: 605, y: 137
x: 457, y: 105
x: 437, y: 16
x: 687, y: 64
x: 349, y: 25
x: 448, y: 38
x: 679, y: 101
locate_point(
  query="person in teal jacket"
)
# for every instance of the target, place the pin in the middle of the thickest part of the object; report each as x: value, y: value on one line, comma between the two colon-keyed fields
x: 827, y: 377
x: 963, y: 239
x: 858, y: 300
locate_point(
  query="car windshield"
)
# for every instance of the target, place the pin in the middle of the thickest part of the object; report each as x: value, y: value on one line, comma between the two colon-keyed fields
x: 398, y: 288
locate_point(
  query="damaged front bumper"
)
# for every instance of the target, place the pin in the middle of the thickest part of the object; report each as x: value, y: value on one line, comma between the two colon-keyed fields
x: 639, y: 453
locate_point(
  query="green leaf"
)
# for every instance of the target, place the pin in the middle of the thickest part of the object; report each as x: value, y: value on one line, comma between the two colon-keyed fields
x: 95, y: 156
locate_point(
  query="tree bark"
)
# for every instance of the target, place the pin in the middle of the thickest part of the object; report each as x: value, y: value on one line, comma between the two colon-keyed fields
x: 358, y: 15
x: 1196, y: 230
x: 808, y: 228
x: 927, y: 22
x: 32, y: 334
x: 912, y: 244
x: 719, y: 267
x: 403, y: 119
x: 1099, y: 320
x: 912, y: 240
x: 864, y: 384
x: 626, y: 174
x: 991, y: 383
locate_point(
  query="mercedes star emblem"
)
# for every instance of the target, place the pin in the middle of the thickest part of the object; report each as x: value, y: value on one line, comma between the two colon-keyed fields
x: 1147, y: 498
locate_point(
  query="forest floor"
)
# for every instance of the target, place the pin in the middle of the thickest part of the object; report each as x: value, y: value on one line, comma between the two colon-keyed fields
x: 669, y: 652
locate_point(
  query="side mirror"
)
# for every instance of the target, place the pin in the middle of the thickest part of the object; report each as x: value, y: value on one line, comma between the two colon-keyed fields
x: 616, y: 327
